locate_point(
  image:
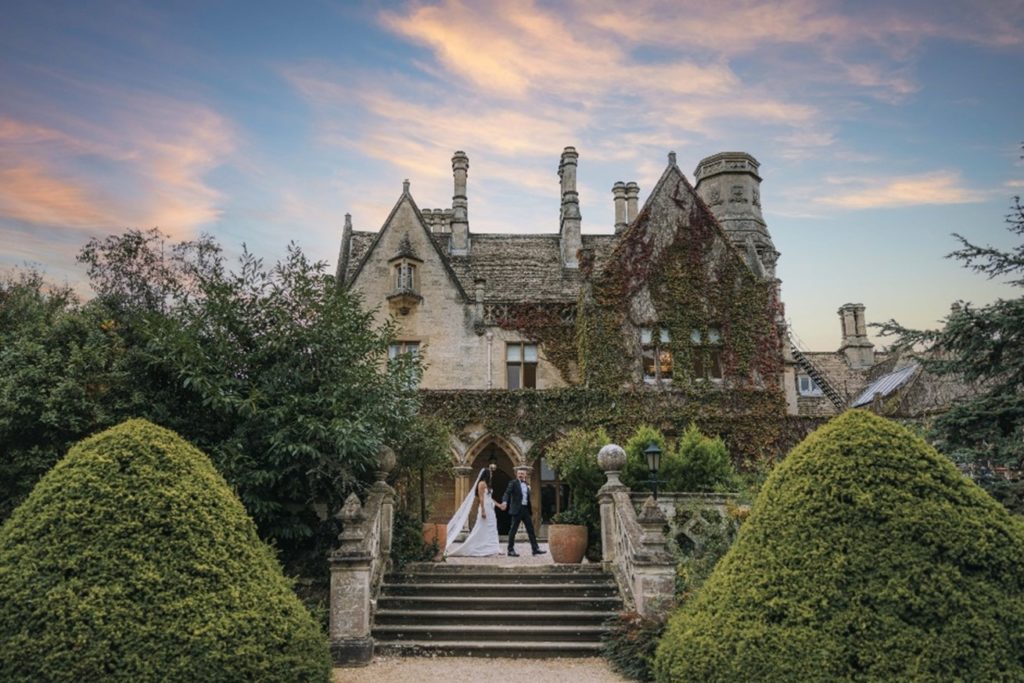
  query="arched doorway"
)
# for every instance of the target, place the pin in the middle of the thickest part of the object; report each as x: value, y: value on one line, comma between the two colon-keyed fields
x: 502, y: 472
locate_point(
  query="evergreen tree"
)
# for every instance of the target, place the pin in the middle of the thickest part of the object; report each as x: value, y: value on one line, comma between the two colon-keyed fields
x: 983, y: 346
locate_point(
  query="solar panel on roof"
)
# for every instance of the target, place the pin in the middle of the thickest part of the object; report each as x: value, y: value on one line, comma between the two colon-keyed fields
x: 886, y: 384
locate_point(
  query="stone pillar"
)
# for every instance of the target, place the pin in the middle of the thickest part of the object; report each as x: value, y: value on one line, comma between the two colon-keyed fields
x: 611, y: 459
x: 619, y: 193
x: 654, y: 578
x: 478, y: 301
x: 632, y: 201
x: 462, y: 483
x: 569, y: 229
x: 351, y: 644
x: 460, y: 205
x: 386, y: 461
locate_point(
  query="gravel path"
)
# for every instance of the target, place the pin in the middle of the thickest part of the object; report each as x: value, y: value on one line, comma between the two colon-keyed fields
x: 479, y: 670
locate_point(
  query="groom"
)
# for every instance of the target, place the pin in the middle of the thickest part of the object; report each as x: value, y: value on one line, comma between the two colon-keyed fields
x: 518, y: 497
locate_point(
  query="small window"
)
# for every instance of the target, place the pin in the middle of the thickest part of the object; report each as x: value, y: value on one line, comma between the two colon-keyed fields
x: 707, y: 353
x: 657, y: 356
x: 521, y: 366
x: 396, y: 349
x: 405, y: 277
x: 807, y: 386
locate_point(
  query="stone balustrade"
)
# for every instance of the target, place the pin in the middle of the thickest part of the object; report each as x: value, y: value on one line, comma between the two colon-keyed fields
x: 358, y: 567
x: 634, y: 545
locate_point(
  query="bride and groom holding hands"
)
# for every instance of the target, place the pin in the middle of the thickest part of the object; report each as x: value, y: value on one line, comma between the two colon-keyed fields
x: 482, y: 541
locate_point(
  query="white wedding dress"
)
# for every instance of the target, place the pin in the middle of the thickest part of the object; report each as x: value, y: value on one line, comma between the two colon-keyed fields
x: 482, y: 541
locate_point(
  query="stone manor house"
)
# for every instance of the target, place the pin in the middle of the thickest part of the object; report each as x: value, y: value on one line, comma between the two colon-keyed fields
x: 677, y: 311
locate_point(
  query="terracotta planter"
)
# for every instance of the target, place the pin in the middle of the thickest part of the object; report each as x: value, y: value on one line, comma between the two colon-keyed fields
x: 567, y: 543
x: 433, y: 531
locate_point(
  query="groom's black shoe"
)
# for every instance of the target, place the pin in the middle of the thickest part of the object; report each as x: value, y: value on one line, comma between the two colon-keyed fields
x: 513, y: 553
x: 538, y: 551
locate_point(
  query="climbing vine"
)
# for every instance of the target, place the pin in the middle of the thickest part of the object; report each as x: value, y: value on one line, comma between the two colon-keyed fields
x: 748, y: 419
x: 693, y: 281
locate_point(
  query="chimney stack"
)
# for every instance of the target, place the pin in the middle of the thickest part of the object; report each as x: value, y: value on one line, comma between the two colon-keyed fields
x: 569, y: 229
x: 858, y: 349
x: 346, y: 249
x: 632, y: 199
x: 460, y: 207
x: 619, y: 192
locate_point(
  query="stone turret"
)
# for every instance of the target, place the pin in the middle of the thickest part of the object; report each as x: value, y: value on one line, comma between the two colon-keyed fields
x: 729, y: 184
x: 858, y: 349
x: 460, y: 205
x: 569, y: 225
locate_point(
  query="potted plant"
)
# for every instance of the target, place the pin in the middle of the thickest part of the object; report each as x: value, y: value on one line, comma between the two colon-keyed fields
x: 567, y: 537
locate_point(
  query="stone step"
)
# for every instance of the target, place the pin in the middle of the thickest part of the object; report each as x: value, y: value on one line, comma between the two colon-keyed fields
x: 511, y: 567
x: 471, y: 576
x: 533, y: 590
x: 523, y: 603
x: 489, y: 632
x: 507, y: 648
x: 508, y: 618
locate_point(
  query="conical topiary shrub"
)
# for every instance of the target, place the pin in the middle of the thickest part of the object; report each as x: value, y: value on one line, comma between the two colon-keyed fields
x: 132, y: 560
x: 867, y: 556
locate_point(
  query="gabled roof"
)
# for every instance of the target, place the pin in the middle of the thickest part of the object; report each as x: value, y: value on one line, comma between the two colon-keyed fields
x: 405, y: 197
x: 670, y: 180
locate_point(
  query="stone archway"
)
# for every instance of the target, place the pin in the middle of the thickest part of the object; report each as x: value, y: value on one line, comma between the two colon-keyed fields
x: 501, y: 457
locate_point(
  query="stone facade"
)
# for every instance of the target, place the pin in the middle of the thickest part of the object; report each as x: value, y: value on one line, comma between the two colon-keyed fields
x: 451, y: 292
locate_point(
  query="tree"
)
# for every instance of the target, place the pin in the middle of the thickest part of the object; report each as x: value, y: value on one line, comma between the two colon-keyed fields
x: 866, y: 556
x: 983, y: 346
x: 63, y: 374
x: 132, y: 560
x: 275, y: 372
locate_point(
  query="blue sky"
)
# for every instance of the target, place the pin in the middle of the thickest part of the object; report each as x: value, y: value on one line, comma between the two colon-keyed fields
x: 881, y: 127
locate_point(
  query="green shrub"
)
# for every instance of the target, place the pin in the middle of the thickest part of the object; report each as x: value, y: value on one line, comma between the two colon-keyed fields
x: 629, y: 644
x: 132, y: 560
x: 635, y: 474
x: 697, y: 463
x: 574, y: 457
x: 867, y: 555
x: 407, y: 544
x: 701, y: 463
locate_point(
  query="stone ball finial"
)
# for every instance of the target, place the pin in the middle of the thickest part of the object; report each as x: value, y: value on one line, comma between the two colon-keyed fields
x: 386, y: 459
x: 611, y: 458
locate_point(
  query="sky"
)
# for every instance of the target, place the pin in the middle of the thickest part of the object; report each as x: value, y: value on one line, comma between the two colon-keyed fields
x: 881, y: 127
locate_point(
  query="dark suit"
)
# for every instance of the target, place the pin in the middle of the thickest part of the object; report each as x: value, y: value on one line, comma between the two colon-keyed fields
x: 519, y: 510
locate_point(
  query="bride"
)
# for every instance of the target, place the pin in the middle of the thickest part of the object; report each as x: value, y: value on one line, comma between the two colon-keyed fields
x: 483, y: 539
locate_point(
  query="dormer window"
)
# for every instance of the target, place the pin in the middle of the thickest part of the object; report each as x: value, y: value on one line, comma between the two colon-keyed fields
x: 405, y: 277
x: 405, y: 295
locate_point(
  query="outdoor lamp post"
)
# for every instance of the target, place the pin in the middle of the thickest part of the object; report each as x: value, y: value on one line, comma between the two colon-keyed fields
x: 653, y: 455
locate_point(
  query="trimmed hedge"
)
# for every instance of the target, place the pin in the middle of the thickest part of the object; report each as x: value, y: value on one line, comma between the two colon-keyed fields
x: 132, y: 560
x: 866, y: 556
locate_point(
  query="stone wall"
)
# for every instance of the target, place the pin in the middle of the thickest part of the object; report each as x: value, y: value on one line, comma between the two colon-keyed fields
x: 443, y: 322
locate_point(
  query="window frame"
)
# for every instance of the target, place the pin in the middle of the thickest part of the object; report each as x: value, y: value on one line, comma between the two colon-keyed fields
x: 706, y: 345
x: 405, y: 276
x: 659, y: 348
x: 814, y: 389
x: 521, y: 364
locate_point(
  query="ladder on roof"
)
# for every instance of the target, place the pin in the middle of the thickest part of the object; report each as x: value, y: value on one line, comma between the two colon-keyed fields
x: 826, y: 388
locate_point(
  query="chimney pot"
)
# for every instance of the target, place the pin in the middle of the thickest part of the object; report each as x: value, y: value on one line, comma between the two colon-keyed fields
x: 460, y: 205
x: 619, y: 194
x: 632, y: 199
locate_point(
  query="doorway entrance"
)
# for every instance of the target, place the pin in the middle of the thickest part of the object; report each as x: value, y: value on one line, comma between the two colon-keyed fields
x: 502, y: 472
